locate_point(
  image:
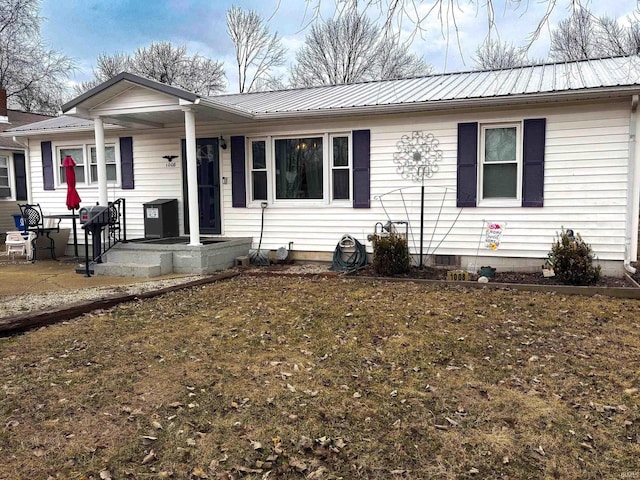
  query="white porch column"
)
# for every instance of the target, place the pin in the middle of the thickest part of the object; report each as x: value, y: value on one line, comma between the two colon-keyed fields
x: 192, y: 177
x: 101, y: 162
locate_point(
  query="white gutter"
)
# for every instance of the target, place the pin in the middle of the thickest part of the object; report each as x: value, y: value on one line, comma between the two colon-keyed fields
x: 27, y: 165
x: 633, y: 189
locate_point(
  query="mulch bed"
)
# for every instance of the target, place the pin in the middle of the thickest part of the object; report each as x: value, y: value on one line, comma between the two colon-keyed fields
x: 430, y: 273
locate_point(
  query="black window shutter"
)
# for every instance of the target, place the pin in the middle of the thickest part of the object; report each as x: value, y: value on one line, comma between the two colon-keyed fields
x: 47, y: 165
x: 361, y: 168
x: 533, y: 162
x: 21, y: 176
x: 126, y: 163
x: 467, y: 172
x: 238, y: 179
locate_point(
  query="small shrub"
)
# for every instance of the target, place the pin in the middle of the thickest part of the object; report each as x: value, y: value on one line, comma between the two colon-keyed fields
x: 573, y: 260
x: 390, y: 254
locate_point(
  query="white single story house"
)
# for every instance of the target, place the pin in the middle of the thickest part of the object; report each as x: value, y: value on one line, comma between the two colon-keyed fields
x: 532, y: 149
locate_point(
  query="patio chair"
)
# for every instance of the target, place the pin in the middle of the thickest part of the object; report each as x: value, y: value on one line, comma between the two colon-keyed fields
x: 34, y: 222
x: 18, y: 243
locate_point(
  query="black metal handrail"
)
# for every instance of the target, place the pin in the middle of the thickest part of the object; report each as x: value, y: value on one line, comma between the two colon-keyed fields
x: 105, y: 232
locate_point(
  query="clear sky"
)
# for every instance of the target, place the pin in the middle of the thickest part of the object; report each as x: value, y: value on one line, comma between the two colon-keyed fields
x: 82, y: 29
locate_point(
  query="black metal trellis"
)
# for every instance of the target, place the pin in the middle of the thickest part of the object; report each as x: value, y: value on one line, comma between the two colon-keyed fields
x: 400, y: 191
x: 417, y: 157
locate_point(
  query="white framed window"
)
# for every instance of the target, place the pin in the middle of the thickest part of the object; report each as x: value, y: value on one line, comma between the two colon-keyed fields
x: 5, y: 182
x: 86, y: 161
x: 340, y: 167
x: 500, y: 175
x: 299, y: 168
x: 110, y: 157
x: 77, y: 153
x: 258, y: 169
x: 309, y: 168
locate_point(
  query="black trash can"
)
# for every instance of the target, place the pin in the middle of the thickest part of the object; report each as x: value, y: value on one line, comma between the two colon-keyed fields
x: 161, y: 218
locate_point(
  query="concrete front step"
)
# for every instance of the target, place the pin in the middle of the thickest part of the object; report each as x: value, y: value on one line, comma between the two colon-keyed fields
x: 128, y: 270
x: 135, y: 263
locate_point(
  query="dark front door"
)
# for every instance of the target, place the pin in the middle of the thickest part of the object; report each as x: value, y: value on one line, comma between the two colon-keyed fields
x: 208, y: 161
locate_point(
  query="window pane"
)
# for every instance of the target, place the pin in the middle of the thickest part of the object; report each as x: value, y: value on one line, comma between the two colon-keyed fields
x: 340, y: 151
x: 500, y: 145
x: 258, y: 155
x: 75, y: 153
x: 109, y: 155
x: 78, y: 156
x: 259, y: 185
x: 341, y: 184
x: 299, y: 167
x: 110, y: 158
x: 111, y: 174
x: 500, y: 180
x: 4, y: 172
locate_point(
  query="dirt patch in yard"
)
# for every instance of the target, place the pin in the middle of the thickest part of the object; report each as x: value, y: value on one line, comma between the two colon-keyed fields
x: 290, y: 377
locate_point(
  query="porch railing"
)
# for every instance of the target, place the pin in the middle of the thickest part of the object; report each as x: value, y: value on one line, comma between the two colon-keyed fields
x: 106, y: 231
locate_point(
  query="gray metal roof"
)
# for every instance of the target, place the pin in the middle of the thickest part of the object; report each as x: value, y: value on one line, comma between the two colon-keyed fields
x: 530, y: 80
x: 57, y: 123
x: 595, y: 77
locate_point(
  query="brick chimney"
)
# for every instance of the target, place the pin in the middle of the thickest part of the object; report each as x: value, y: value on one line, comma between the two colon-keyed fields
x: 3, y: 102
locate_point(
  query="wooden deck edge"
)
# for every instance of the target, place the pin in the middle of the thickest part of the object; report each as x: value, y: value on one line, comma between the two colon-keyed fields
x: 28, y: 321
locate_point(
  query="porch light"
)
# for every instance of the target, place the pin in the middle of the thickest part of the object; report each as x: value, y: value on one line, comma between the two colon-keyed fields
x: 223, y: 144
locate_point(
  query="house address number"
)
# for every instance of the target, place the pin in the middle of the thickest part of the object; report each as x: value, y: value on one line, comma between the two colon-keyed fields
x: 458, y: 276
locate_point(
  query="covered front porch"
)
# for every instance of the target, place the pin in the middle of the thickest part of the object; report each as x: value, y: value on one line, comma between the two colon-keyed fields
x: 129, y: 103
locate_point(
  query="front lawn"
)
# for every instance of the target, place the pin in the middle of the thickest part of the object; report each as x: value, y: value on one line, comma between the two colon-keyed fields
x: 270, y: 377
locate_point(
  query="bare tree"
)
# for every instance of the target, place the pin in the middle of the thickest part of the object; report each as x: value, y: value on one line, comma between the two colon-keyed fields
x: 414, y: 15
x: 164, y: 63
x: 394, y: 61
x: 615, y: 39
x: 350, y: 49
x: 583, y: 36
x: 575, y: 37
x: 257, y: 51
x: 107, y: 66
x: 33, y: 75
x: 493, y: 55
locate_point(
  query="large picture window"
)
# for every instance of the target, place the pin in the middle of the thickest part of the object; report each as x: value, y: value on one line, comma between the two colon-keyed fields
x: 299, y: 168
x: 500, y: 162
x: 86, y: 168
x: 314, y: 168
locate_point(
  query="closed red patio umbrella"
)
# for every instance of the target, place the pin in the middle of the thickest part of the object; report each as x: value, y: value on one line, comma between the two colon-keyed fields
x: 73, y: 199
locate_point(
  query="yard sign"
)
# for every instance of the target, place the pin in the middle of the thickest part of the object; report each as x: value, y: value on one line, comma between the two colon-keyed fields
x: 493, y: 234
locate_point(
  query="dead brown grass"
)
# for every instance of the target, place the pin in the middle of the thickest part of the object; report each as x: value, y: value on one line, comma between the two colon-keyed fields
x: 327, y: 378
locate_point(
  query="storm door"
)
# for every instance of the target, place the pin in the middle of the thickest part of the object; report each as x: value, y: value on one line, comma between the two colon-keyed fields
x: 208, y: 161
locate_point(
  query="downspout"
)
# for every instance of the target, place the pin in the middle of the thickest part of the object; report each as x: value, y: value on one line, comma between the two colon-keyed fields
x: 633, y: 189
x: 27, y: 164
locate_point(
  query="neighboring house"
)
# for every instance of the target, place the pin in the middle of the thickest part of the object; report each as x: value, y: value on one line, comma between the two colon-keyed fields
x: 13, y: 178
x: 536, y: 148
